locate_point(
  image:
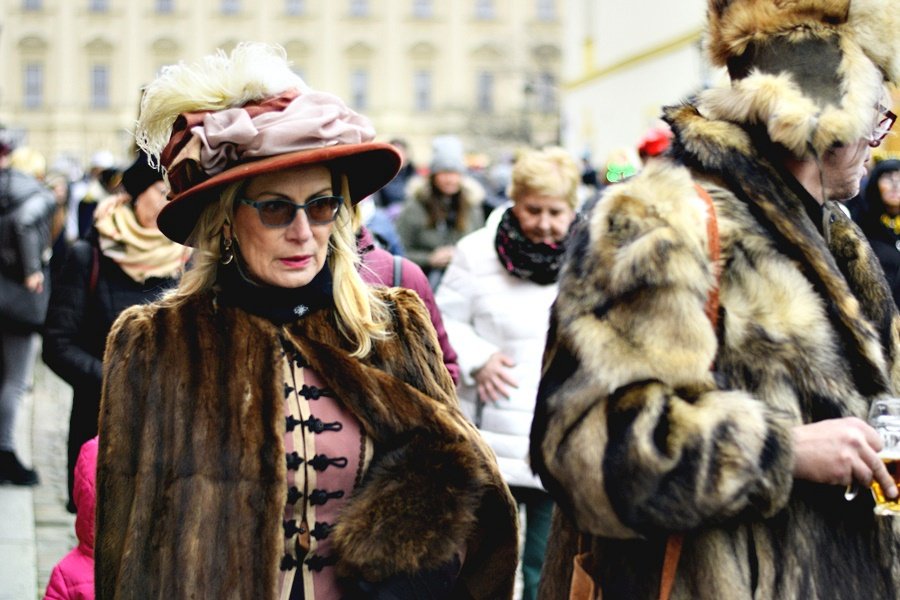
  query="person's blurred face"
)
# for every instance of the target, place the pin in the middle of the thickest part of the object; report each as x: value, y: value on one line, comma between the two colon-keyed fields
x: 148, y: 204
x: 844, y: 168
x: 291, y: 256
x: 544, y: 219
x: 448, y: 182
x: 889, y: 186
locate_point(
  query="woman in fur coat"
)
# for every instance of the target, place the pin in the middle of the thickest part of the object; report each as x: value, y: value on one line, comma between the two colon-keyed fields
x: 275, y: 428
x: 722, y: 328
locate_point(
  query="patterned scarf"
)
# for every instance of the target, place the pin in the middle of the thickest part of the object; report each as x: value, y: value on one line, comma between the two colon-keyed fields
x: 892, y: 223
x: 142, y: 253
x: 523, y: 258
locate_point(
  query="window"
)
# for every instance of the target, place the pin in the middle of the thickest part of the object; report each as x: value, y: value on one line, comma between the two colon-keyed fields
x: 34, y: 85
x: 546, y: 10
x: 165, y: 6
x: 546, y: 93
x: 99, y: 86
x: 484, y: 9
x: 359, y: 8
x: 422, y: 90
x: 31, y: 5
x: 230, y: 7
x: 423, y: 9
x: 359, y: 89
x: 485, y: 91
x: 98, y: 5
x: 295, y: 7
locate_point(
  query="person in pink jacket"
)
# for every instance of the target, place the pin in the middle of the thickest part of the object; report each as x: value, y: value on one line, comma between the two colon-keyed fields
x: 73, y: 576
x: 379, y: 269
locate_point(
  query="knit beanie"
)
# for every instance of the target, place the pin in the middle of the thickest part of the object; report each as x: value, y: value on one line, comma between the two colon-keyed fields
x: 447, y: 155
x: 139, y: 176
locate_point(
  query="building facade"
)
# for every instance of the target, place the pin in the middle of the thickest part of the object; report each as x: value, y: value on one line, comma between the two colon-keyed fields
x: 487, y: 70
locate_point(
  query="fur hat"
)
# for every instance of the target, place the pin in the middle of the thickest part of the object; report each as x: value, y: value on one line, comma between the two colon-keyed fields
x: 447, y: 155
x: 812, y: 71
x: 231, y: 117
x: 139, y: 176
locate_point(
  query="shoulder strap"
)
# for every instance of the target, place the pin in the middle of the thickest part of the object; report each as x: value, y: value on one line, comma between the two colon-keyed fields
x: 398, y: 270
x: 675, y: 540
x: 95, y: 270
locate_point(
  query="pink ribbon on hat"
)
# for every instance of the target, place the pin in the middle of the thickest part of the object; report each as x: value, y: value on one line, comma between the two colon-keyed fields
x: 311, y: 120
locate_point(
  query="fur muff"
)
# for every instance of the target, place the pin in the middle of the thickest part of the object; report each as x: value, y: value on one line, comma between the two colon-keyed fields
x: 812, y: 71
x: 650, y: 421
x: 192, y: 451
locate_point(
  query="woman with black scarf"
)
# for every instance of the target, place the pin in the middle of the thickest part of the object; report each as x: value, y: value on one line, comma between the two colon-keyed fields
x: 495, y: 299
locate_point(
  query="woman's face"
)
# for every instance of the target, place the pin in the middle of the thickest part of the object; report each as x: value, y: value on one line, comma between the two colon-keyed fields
x: 287, y: 257
x: 889, y: 186
x: 448, y: 182
x: 148, y: 204
x: 544, y: 219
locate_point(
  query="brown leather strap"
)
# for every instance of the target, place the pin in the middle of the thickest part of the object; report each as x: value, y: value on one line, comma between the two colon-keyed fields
x: 712, y: 232
x: 670, y: 564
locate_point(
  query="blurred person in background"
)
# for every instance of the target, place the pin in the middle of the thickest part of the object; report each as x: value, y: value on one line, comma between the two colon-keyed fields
x: 440, y: 209
x: 380, y: 266
x: 125, y: 261
x: 879, y: 218
x: 390, y: 198
x: 72, y: 577
x: 26, y: 213
x: 495, y: 298
x: 87, y: 192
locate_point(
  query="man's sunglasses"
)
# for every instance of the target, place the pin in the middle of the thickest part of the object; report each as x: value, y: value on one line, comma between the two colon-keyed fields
x: 280, y: 212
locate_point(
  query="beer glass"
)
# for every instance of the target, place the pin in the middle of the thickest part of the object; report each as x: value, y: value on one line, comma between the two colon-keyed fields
x: 884, y: 416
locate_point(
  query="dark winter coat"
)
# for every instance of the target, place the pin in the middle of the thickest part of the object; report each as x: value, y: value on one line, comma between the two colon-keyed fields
x: 636, y: 437
x: 26, y: 212
x: 885, y: 242
x: 191, y: 478
x: 78, y: 321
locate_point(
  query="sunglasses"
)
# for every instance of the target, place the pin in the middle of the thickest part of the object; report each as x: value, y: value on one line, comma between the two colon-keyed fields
x: 280, y: 212
x: 884, y: 126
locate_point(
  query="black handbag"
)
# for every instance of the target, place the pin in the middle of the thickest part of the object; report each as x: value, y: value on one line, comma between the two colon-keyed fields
x: 21, y: 310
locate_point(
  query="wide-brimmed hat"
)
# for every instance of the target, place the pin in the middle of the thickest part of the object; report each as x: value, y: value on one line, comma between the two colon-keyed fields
x: 209, y: 150
x: 812, y: 72
x: 279, y: 124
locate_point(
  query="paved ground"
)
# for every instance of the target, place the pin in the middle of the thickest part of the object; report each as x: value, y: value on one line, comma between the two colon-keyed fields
x: 35, y: 529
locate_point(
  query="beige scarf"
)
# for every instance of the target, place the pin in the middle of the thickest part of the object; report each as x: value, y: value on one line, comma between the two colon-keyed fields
x: 141, y: 252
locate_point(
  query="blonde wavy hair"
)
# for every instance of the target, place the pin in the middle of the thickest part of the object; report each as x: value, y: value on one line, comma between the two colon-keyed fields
x: 362, y: 316
x: 551, y: 172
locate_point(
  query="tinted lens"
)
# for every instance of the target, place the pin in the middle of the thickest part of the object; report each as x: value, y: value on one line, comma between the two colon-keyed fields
x: 276, y: 213
x: 322, y: 210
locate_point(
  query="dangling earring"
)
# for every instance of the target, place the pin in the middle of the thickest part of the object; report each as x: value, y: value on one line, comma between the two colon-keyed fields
x: 226, y: 252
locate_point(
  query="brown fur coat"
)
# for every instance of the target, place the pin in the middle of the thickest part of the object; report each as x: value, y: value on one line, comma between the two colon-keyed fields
x: 191, y: 484
x: 635, y: 435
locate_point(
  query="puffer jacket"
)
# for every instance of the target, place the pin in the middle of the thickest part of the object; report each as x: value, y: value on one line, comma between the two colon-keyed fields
x: 73, y: 577
x: 488, y: 310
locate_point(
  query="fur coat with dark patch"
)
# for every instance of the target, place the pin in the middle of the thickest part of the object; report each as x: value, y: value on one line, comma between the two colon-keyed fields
x: 636, y: 436
x: 191, y: 479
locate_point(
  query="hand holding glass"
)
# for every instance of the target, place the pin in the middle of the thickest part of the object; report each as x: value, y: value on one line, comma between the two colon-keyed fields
x: 884, y: 416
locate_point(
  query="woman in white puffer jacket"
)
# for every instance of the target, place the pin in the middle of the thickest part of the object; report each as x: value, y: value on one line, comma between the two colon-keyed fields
x: 495, y: 299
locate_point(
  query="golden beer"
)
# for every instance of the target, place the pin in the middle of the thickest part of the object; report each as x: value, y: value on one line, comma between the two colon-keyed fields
x: 883, y: 506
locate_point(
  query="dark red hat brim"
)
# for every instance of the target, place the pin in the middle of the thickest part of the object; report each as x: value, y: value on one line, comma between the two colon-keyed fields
x: 368, y: 167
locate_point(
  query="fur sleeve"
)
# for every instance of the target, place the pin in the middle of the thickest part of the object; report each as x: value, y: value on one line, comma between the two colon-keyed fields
x: 631, y: 433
